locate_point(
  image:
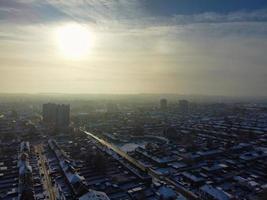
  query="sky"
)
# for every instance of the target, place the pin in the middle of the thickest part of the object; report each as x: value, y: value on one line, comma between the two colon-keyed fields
x: 208, y: 47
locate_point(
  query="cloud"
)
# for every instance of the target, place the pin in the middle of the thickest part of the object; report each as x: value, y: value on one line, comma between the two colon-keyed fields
x: 212, y: 17
x: 199, y: 51
x: 132, y: 17
x: 107, y: 14
x: 29, y: 12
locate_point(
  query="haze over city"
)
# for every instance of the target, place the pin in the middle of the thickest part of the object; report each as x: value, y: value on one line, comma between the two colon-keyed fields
x: 187, y: 47
x: 133, y: 100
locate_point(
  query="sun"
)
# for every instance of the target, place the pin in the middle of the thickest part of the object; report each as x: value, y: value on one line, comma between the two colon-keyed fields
x: 74, y: 41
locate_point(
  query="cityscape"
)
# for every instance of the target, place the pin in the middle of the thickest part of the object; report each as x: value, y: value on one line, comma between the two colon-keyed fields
x: 133, y: 100
x: 123, y: 149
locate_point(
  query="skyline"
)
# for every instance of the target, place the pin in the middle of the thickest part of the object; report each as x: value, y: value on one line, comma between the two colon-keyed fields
x: 212, y: 48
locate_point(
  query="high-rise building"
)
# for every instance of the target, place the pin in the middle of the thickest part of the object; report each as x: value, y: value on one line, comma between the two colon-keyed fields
x: 49, y: 113
x: 63, y: 115
x: 163, y: 104
x: 56, y: 114
x: 184, y: 106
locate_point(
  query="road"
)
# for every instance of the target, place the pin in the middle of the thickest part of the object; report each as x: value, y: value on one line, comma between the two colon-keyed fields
x: 118, y: 151
x: 132, y: 160
x: 46, y: 178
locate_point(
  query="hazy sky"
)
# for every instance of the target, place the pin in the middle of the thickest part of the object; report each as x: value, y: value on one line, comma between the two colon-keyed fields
x: 216, y: 47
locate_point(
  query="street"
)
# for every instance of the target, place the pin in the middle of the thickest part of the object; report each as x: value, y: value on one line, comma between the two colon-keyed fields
x: 45, y: 174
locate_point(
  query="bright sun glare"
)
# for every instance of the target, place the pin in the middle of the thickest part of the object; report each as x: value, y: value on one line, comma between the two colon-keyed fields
x: 74, y: 41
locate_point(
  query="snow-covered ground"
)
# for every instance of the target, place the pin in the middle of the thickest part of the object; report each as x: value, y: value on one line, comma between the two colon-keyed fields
x: 131, y: 146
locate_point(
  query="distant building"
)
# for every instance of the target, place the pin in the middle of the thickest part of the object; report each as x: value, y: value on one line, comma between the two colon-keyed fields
x: 112, y: 107
x: 49, y: 113
x: 163, y: 104
x: 184, y: 106
x: 56, y: 114
x: 63, y: 115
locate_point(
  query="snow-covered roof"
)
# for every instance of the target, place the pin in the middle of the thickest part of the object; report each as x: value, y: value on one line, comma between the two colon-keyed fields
x: 166, y: 192
x: 214, y: 192
x: 94, y: 195
x: 25, y: 169
x: 76, y: 178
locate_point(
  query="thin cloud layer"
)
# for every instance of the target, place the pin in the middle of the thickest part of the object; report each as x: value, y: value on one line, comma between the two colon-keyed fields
x: 164, y: 46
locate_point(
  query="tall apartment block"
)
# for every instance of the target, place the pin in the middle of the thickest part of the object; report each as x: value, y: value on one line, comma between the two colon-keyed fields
x: 56, y: 114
